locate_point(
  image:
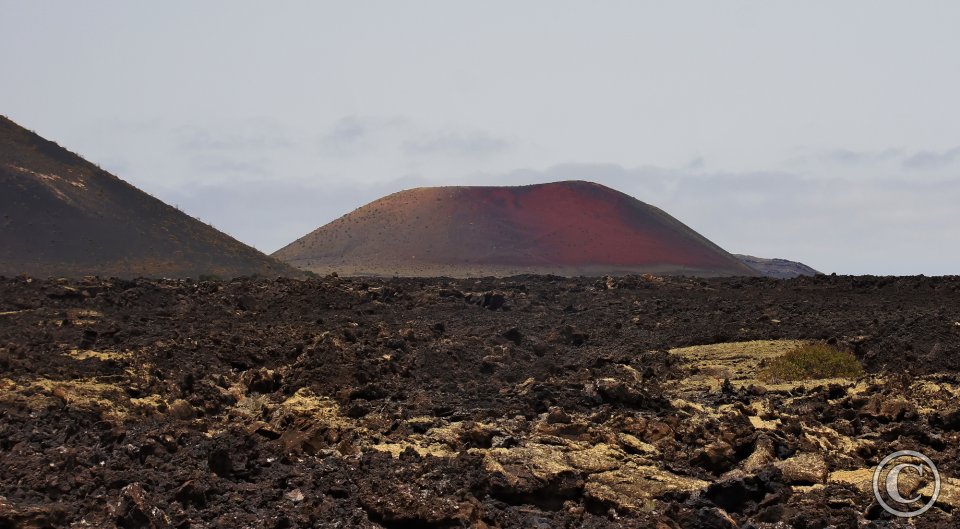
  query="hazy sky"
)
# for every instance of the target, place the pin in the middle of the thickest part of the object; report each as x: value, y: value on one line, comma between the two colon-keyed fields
x: 822, y: 131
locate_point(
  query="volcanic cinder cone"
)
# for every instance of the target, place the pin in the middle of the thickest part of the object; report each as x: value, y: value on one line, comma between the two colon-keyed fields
x: 63, y: 216
x: 563, y: 228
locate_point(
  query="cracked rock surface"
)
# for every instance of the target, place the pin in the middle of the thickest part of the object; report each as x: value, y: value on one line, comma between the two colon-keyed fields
x: 521, y: 402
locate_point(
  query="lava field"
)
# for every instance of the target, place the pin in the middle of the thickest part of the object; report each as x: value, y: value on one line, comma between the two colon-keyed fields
x: 531, y: 401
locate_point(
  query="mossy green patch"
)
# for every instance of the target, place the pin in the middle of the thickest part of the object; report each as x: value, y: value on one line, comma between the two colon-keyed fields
x: 811, y: 361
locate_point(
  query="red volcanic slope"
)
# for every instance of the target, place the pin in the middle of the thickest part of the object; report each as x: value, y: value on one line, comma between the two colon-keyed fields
x: 568, y: 228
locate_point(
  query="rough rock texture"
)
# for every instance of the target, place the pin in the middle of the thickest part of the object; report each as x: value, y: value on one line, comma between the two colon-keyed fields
x: 412, y: 403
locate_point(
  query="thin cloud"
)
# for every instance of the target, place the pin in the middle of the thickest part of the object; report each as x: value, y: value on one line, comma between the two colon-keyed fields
x: 932, y: 159
x: 226, y: 165
x: 467, y: 144
x: 850, y: 157
x: 246, y: 137
x: 361, y: 134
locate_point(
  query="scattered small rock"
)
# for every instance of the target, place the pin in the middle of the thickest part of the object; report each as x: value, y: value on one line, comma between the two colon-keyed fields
x: 295, y: 495
x: 183, y: 410
x: 556, y: 415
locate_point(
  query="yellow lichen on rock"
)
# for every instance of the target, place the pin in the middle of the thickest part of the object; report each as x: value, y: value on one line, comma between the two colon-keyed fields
x: 635, y: 444
x: 949, y: 492
x: 306, y: 404
x: 861, y: 478
x: 544, y: 462
x: 149, y: 404
x: 395, y: 449
x: 637, y: 487
x: 824, y: 439
x: 737, y: 361
x: 740, y: 363
x: 84, y: 392
x: 599, y: 458
x: 84, y: 354
x: 808, y: 468
x: 761, y: 424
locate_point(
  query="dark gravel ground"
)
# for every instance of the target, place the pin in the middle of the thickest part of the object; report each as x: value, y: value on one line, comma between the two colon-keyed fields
x: 413, y: 402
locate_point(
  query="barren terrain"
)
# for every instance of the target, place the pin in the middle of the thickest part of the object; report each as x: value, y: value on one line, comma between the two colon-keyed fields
x: 566, y: 228
x: 61, y: 215
x: 532, y: 401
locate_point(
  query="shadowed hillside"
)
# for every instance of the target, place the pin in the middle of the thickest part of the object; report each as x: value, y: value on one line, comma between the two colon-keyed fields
x: 63, y: 216
x: 778, y: 268
x: 564, y: 228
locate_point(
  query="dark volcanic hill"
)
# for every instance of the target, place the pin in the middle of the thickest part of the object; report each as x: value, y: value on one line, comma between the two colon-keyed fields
x: 63, y: 216
x: 563, y: 228
x: 777, y: 268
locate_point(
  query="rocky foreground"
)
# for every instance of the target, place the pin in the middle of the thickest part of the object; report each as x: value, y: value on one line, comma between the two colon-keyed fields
x: 537, y: 402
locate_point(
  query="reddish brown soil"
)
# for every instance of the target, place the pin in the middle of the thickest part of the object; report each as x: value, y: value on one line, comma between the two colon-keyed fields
x: 187, y: 417
x: 567, y: 228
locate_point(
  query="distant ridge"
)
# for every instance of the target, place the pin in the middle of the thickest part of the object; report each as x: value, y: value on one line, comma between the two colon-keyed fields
x: 63, y: 216
x: 777, y: 268
x: 564, y: 228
